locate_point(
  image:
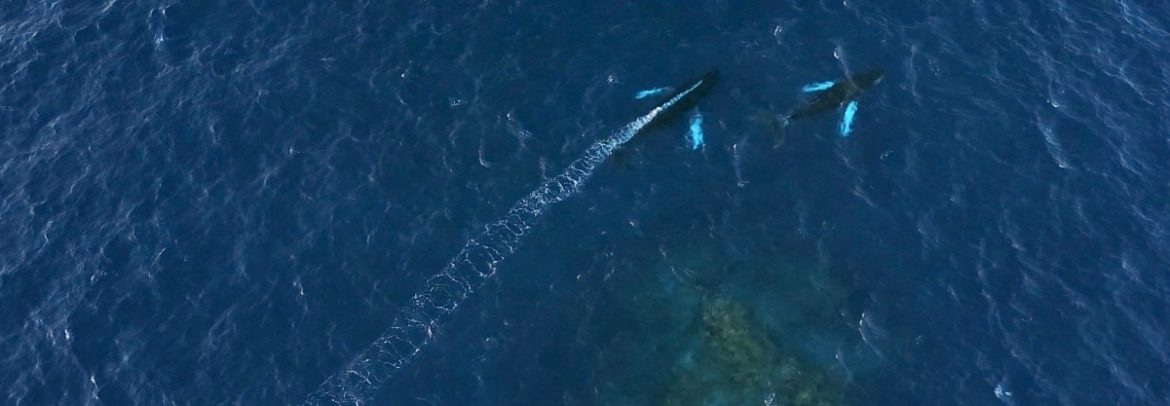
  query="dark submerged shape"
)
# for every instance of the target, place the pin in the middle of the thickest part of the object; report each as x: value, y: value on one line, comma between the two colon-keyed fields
x: 834, y: 97
x: 685, y: 97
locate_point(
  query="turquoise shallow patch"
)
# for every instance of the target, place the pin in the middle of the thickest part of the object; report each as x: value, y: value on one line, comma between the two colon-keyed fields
x: 650, y: 92
x: 816, y: 87
x: 847, y: 120
x: 696, y: 134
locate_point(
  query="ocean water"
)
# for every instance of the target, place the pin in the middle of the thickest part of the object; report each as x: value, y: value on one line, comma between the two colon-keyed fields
x: 213, y: 202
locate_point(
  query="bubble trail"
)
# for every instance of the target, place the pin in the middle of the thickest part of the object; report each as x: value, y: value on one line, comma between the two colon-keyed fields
x: 443, y: 292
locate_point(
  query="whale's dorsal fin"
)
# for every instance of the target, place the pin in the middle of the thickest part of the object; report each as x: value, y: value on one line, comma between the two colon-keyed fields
x: 817, y: 87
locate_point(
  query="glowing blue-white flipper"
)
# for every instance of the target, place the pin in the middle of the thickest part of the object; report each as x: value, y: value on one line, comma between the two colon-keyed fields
x: 650, y: 92
x: 696, y: 134
x: 847, y: 121
x: 816, y: 87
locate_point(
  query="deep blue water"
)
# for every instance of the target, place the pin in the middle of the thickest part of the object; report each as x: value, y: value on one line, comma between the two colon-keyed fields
x: 216, y: 202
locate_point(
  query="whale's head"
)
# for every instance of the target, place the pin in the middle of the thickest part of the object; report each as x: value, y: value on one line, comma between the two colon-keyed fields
x: 866, y: 80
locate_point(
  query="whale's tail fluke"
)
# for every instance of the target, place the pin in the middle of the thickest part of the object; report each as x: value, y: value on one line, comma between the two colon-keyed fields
x: 781, y: 121
x: 776, y: 124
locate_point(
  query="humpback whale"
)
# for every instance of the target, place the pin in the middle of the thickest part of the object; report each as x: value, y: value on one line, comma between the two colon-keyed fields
x: 831, y: 96
x: 684, y: 98
x: 681, y: 100
x: 835, y: 96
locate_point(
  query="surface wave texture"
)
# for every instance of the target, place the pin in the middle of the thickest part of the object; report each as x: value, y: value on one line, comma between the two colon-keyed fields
x: 218, y: 202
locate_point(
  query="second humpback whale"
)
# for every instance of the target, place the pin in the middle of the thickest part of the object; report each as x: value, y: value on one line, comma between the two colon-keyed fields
x: 831, y: 96
x: 836, y: 95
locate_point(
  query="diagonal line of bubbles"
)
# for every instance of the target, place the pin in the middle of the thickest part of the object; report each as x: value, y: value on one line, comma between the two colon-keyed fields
x: 414, y: 326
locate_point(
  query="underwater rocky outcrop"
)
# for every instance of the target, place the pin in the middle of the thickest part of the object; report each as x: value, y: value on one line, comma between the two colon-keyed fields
x: 701, y: 328
x: 734, y: 343
x: 736, y: 364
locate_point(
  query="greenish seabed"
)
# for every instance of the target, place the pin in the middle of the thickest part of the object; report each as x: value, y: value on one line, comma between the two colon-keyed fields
x: 698, y: 328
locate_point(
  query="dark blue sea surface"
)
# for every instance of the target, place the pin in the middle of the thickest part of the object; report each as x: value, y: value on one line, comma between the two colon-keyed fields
x: 223, y: 202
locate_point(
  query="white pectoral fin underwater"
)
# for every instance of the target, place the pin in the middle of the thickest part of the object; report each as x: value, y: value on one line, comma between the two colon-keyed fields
x: 696, y: 129
x: 816, y: 87
x: 642, y: 94
x: 846, y: 126
x: 417, y: 322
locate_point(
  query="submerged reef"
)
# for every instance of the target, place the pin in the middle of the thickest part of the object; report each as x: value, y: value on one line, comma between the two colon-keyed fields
x: 698, y: 328
x: 735, y: 344
x: 736, y: 364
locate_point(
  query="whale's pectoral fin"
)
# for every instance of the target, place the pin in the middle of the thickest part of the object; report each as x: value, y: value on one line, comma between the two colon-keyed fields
x: 650, y: 92
x: 696, y: 133
x: 816, y: 87
x: 846, y: 126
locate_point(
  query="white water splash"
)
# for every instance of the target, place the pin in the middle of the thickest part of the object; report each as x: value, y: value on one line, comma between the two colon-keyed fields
x: 416, y: 324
